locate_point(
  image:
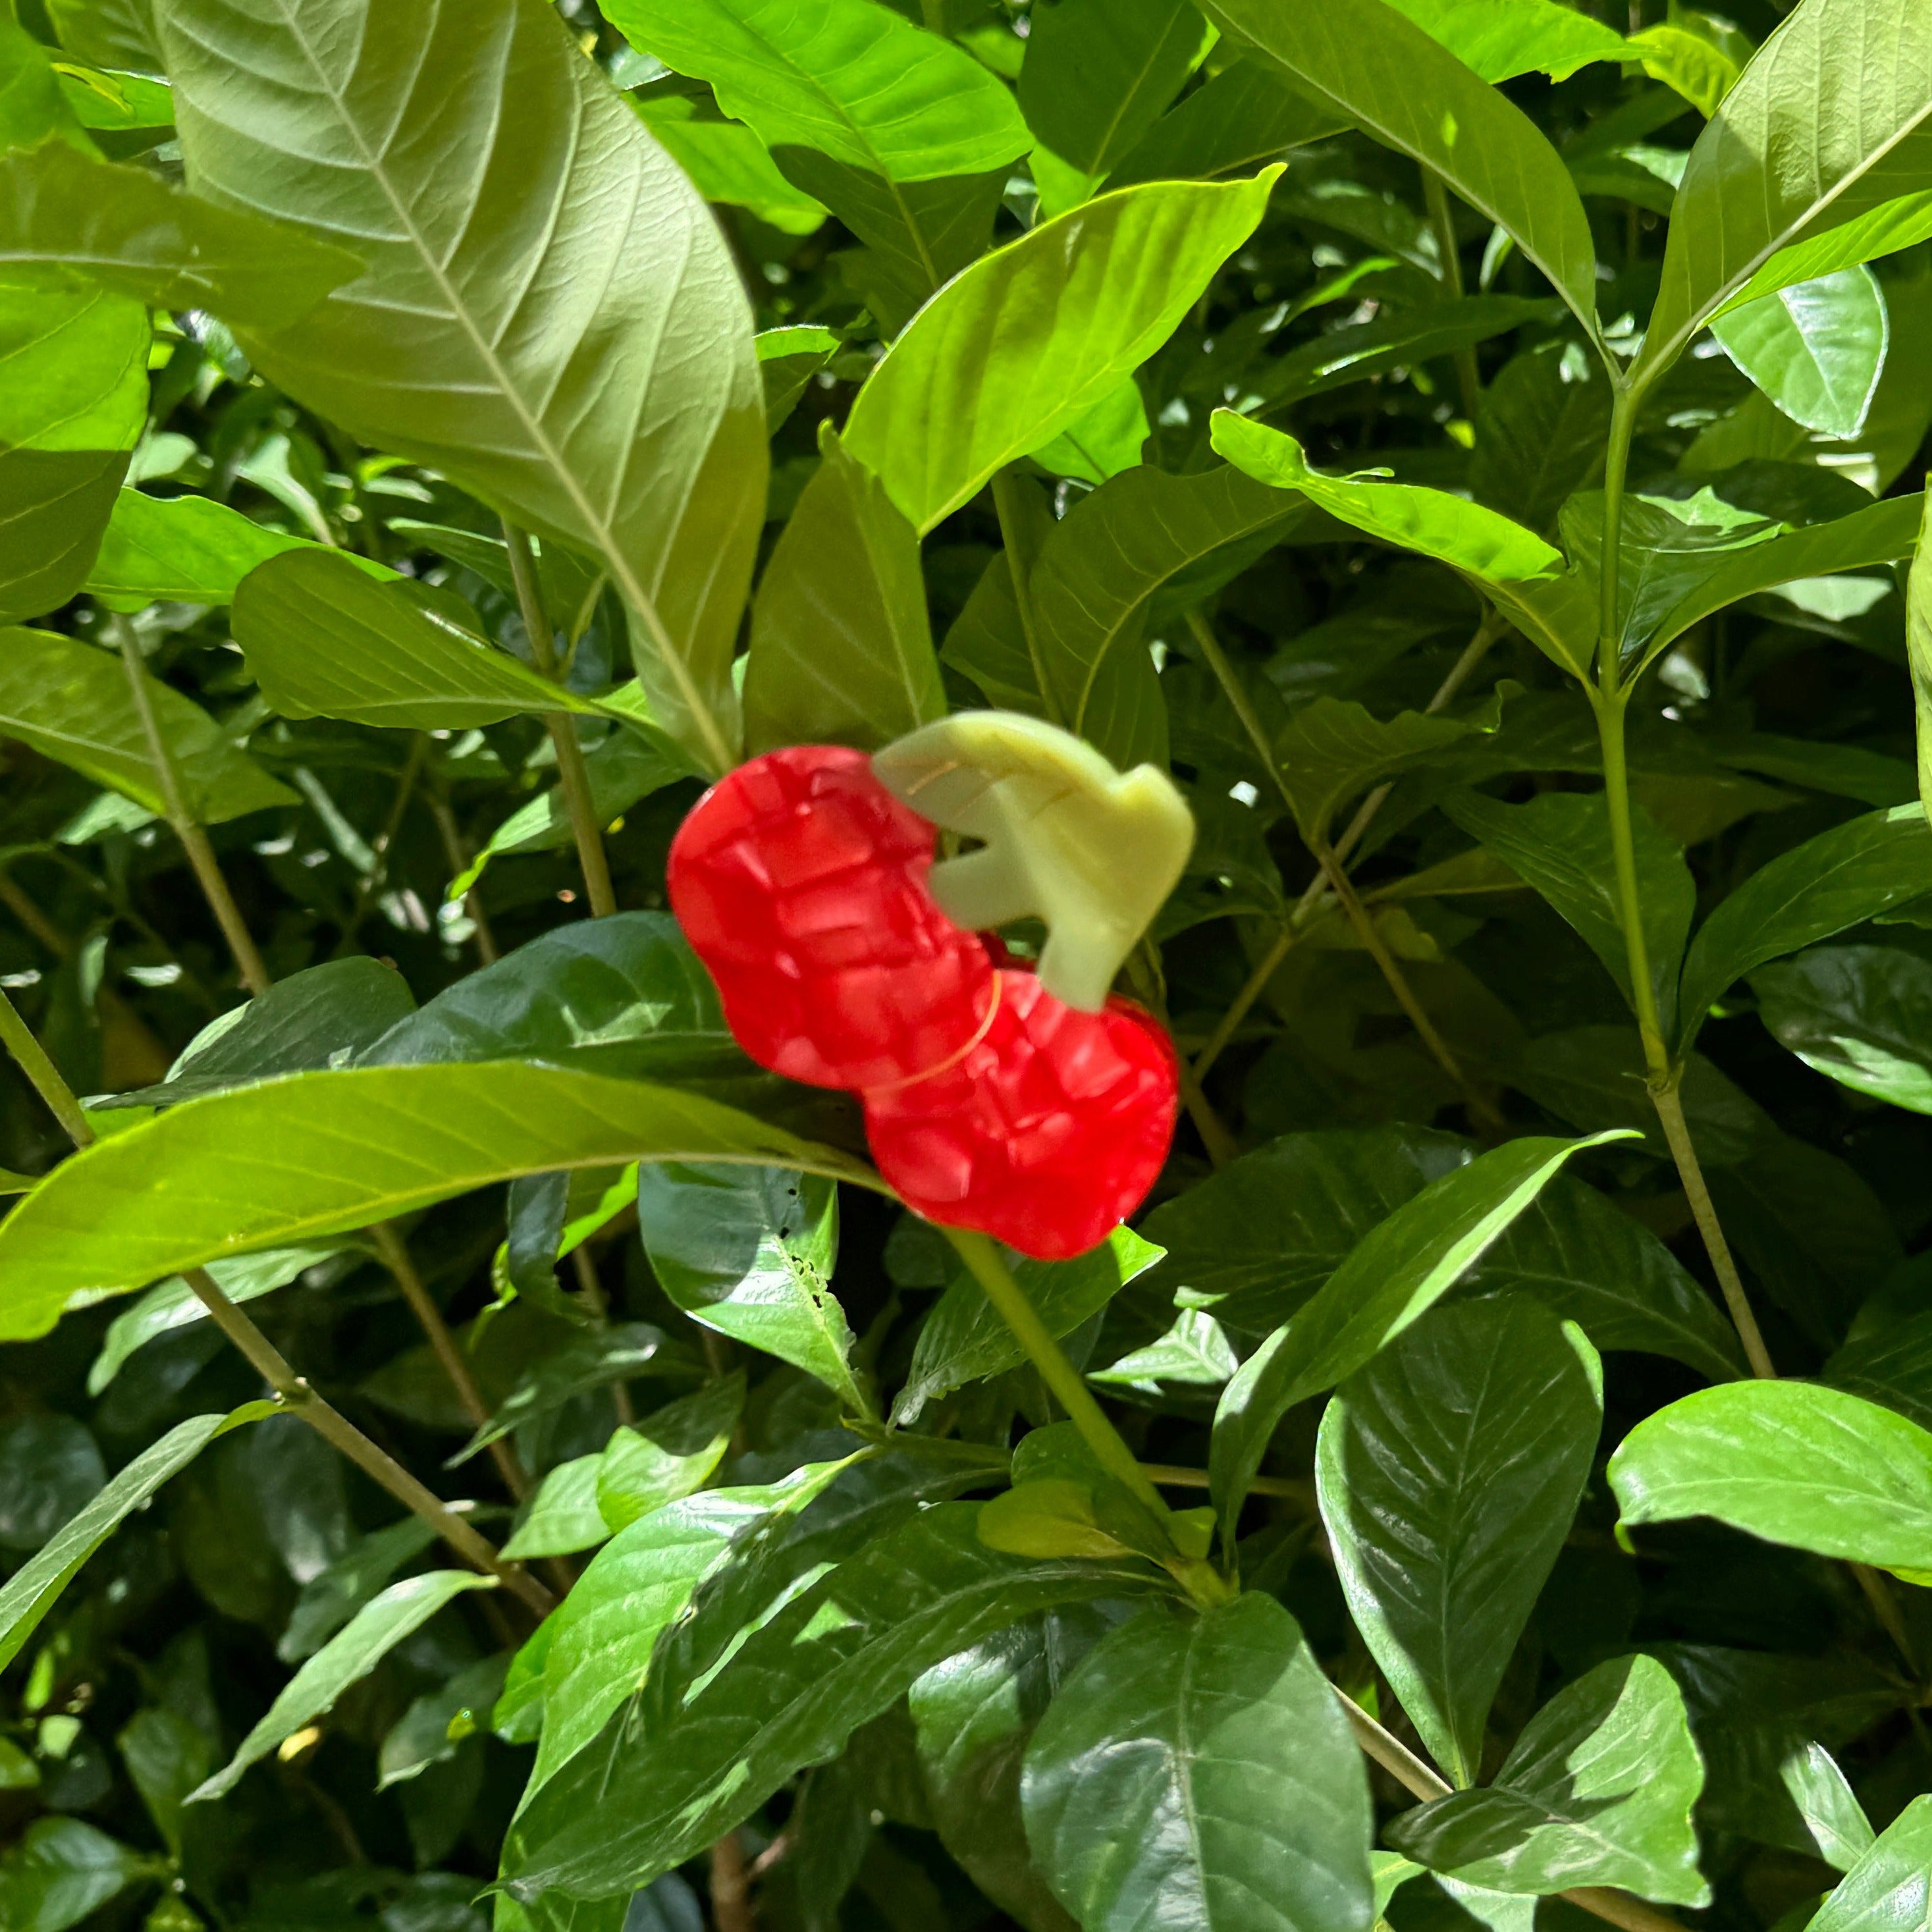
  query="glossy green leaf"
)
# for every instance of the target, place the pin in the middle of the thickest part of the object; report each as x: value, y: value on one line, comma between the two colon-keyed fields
x: 975, y: 1714
x: 749, y: 1252
x: 331, y: 1598
x: 579, y: 1365
x: 1395, y: 1274
x: 1790, y: 1462
x: 841, y: 647
x: 963, y: 1340
x: 1836, y: 880
x: 562, y: 1516
x: 301, y: 1024
x: 1193, y: 1351
x: 1597, y: 1790
x: 1448, y: 1471
x: 1024, y: 342
x: 1362, y: 60
x: 1143, y: 541
x: 1860, y: 1014
x: 1889, y: 227
x: 1501, y: 39
x: 351, y: 1655
x: 1815, y: 348
x: 68, y: 217
x: 684, y: 1764
x: 1819, y: 131
x: 1891, y: 1364
x: 670, y: 1454
x: 1237, y: 117
x: 1890, y: 1888
x: 27, y: 1596
x: 1096, y: 76
x: 506, y: 398
x: 314, y: 1154
x: 62, y: 1869
x: 54, y: 504
x: 172, y: 1304
x: 190, y: 549
x: 326, y: 640
x: 1560, y: 843
x: 71, y: 702
x: 903, y: 134
x: 1199, y: 1772
x: 727, y: 162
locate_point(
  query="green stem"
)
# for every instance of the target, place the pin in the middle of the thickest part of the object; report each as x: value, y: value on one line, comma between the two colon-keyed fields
x: 1610, y: 699
x: 571, y: 774
x: 261, y: 1354
x: 1007, y: 501
x: 186, y: 827
x: 1442, y: 219
x: 988, y: 1267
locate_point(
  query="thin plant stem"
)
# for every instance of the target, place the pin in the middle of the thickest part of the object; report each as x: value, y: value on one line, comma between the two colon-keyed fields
x: 1337, y: 879
x: 731, y: 1885
x: 1610, y: 699
x: 1421, y: 1780
x: 1173, y: 1476
x: 395, y: 1254
x: 267, y: 1360
x: 1007, y: 502
x: 1458, y: 674
x: 988, y: 1267
x: 377, y: 875
x: 1442, y: 219
x: 187, y: 828
x: 571, y: 771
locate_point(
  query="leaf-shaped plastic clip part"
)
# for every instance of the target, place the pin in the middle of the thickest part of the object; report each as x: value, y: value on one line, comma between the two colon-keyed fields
x: 1066, y: 838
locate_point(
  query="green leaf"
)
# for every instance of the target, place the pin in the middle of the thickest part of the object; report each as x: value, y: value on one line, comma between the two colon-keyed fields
x: 326, y: 640
x: 1395, y: 1274
x: 1334, y: 749
x: 1860, y: 1014
x: 1919, y: 651
x: 670, y: 1454
x: 1143, y: 541
x: 579, y: 1365
x: 1881, y: 534
x: 54, y: 504
x: 1887, y: 229
x: 167, y: 1756
x: 1790, y: 1462
x: 1891, y: 1364
x: 1237, y: 117
x: 62, y: 1869
x: 1024, y: 343
x: 1887, y: 1890
x: 749, y: 1252
x: 788, y: 358
x: 727, y: 162
x: 72, y: 703
x: 903, y: 135
x: 596, y: 1647
x: 172, y: 1304
x: 685, y: 1764
x: 667, y: 490
x: 1539, y: 433
x: 1598, y: 1790
x: 1448, y: 1471
x: 1560, y: 843
x: 52, y: 1467
x: 1590, y: 1262
x: 1198, y: 1772
x: 1814, y: 136
x: 1256, y: 1240
x: 563, y: 1517
x: 1362, y: 60
x: 964, y: 1340
x: 27, y: 1596
x: 1106, y: 441
x: 1839, y: 878
x: 349, y: 1656
x: 81, y: 221
x: 841, y: 647
x: 1193, y: 1351
x: 1097, y: 74
x: 975, y: 1715
x: 1815, y: 348
x: 1501, y: 39
x: 190, y: 550
x: 316, y: 1154
x: 330, y: 1598
x: 300, y: 1023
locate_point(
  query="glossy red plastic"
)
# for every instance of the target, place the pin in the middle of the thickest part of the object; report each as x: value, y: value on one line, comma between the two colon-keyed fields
x: 1046, y: 1133
x: 800, y: 882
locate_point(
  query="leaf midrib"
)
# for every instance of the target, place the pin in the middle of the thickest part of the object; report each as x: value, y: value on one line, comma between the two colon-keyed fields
x: 629, y: 584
